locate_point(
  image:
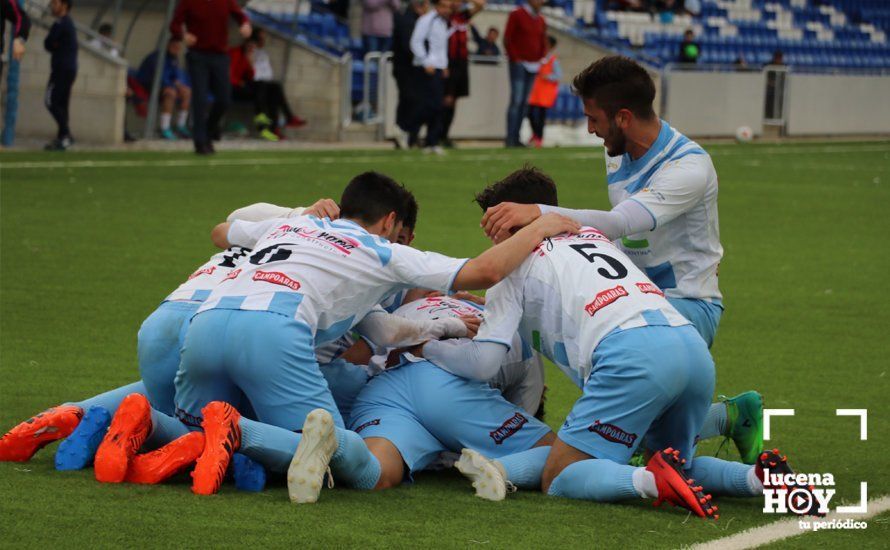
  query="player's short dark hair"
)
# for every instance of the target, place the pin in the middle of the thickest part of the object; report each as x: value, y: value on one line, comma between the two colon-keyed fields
x: 68, y: 3
x: 371, y: 195
x: 105, y: 28
x: 616, y: 82
x: 528, y: 185
x: 552, y: 41
x: 411, y: 210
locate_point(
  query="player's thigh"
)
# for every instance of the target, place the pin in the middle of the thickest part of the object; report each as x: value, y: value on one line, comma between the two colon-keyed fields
x: 415, y: 446
x: 464, y: 413
x: 201, y: 377
x: 273, y: 362
x: 703, y: 315
x: 561, y: 456
x: 680, y: 424
x: 159, y: 342
x: 345, y: 382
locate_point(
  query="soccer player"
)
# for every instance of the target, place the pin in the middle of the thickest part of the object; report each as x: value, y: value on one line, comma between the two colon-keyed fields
x: 644, y: 370
x: 159, y: 340
x: 306, y: 283
x: 663, y: 191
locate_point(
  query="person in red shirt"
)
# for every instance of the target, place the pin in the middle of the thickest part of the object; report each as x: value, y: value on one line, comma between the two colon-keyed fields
x: 206, y: 34
x: 525, y: 39
x: 457, y: 84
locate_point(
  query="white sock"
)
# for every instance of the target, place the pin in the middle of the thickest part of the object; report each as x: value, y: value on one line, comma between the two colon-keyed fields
x: 754, y: 482
x: 181, y: 119
x: 644, y: 483
x: 165, y: 120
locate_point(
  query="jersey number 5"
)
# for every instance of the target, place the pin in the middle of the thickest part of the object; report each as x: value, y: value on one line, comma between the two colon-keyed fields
x: 620, y: 271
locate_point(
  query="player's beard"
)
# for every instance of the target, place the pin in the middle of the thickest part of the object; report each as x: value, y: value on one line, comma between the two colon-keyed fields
x: 614, y: 140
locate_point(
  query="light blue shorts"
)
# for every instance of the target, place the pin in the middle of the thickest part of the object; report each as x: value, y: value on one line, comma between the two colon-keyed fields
x: 654, y: 382
x: 704, y: 315
x: 424, y: 410
x: 265, y: 357
x: 158, y: 346
x: 345, y: 381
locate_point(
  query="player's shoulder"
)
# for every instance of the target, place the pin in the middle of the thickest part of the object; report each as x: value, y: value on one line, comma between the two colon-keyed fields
x: 679, y: 146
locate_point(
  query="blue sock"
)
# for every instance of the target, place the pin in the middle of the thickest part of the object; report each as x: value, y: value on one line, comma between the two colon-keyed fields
x: 721, y: 477
x: 715, y: 421
x: 353, y: 462
x: 271, y: 446
x: 524, y: 469
x: 595, y: 479
x: 110, y: 400
x: 164, y: 429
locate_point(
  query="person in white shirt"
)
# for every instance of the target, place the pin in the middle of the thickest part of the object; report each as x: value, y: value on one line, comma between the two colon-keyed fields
x: 429, y: 45
x: 270, y: 92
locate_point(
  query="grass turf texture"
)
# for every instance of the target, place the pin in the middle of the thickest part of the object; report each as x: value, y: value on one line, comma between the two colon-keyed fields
x: 89, y: 249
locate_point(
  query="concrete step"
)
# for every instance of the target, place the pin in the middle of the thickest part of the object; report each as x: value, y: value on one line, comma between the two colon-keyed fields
x: 357, y: 132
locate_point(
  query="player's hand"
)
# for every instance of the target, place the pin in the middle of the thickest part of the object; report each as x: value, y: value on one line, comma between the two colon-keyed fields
x: 430, y: 70
x: 499, y: 220
x: 469, y: 297
x: 324, y: 208
x: 552, y: 224
x: 18, y: 49
x: 472, y: 323
x: 445, y: 73
x: 245, y: 30
x: 190, y: 39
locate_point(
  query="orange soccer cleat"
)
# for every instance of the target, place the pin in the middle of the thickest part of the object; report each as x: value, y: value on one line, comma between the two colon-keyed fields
x: 222, y: 437
x: 129, y: 428
x: 20, y: 443
x: 676, y: 488
x: 160, y: 464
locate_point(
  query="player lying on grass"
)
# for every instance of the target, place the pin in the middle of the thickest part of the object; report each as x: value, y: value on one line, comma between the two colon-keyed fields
x: 160, y: 338
x: 306, y: 283
x: 645, y: 372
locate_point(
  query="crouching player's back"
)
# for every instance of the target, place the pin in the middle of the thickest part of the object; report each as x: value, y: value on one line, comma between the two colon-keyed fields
x: 644, y: 370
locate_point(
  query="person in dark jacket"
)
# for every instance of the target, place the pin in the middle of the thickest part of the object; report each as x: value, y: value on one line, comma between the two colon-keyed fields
x: 175, y: 89
x: 61, y: 43
x: 403, y: 69
x: 21, y: 26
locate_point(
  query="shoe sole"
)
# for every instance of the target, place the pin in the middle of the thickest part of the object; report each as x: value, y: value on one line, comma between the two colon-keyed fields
x: 112, y: 456
x: 307, y: 469
x: 78, y: 450
x: 486, y: 478
x: 757, y: 413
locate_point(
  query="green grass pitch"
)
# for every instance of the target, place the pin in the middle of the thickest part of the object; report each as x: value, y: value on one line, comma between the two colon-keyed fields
x: 91, y: 242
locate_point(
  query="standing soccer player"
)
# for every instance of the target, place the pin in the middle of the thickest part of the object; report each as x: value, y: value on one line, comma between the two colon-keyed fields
x: 61, y: 43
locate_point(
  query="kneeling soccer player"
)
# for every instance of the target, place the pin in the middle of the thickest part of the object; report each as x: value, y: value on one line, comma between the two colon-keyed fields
x: 644, y: 370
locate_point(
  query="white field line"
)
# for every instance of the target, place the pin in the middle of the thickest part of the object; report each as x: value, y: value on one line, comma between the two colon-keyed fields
x: 787, y: 528
x: 594, y: 154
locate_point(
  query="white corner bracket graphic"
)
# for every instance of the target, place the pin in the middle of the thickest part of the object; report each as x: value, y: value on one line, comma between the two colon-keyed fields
x: 862, y: 507
x: 767, y: 413
x: 863, y: 420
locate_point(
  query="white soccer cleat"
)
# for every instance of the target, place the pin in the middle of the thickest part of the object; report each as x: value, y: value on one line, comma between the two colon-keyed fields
x: 310, y: 463
x: 488, y: 480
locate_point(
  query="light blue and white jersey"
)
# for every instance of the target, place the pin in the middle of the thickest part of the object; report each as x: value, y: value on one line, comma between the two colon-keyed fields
x: 676, y: 182
x: 569, y: 294
x: 328, y: 274
x: 204, y: 279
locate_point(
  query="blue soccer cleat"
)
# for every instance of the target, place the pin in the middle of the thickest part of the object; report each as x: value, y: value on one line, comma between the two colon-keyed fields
x: 249, y: 475
x: 77, y: 451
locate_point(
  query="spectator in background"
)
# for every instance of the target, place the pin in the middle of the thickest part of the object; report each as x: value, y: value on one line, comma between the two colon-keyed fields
x: 457, y: 84
x: 21, y: 27
x: 405, y: 73
x: 206, y: 34
x: 692, y: 7
x: 61, y: 43
x: 270, y: 92
x: 377, y: 20
x: 104, y: 41
x: 778, y: 58
x: 544, y: 92
x: 175, y: 89
x: 429, y: 44
x: 487, y: 45
x: 525, y: 39
x: 689, y: 48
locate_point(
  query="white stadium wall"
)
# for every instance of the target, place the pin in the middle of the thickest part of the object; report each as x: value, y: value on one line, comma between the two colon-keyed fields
x: 838, y: 104
x: 714, y: 103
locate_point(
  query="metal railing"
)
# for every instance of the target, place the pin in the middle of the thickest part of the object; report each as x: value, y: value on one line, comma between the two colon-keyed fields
x: 371, y: 105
